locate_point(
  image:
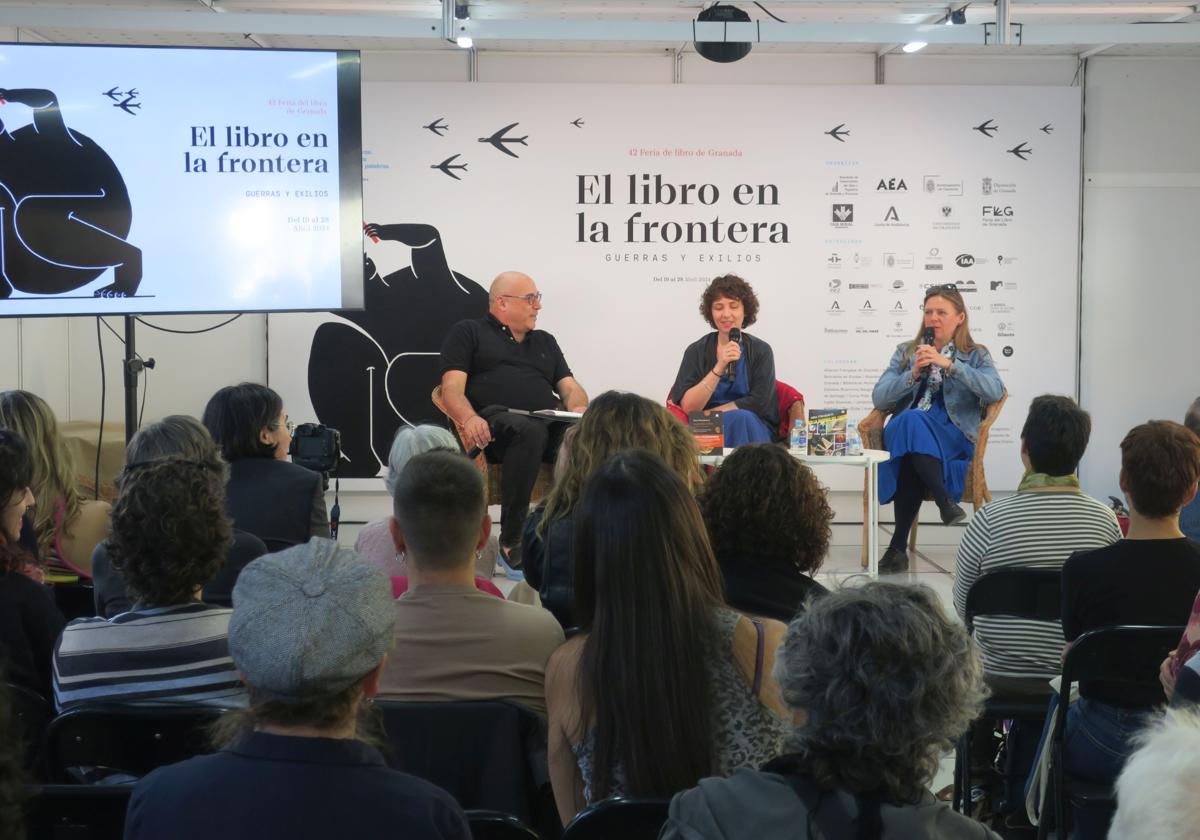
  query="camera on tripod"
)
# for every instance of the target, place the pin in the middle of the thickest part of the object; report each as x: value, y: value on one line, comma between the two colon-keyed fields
x: 317, y: 448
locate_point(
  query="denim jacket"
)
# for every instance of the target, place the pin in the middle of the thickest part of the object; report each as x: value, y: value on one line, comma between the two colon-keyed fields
x: 968, y: 386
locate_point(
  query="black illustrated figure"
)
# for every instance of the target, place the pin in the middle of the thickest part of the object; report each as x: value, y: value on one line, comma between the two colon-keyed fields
x: 367, y: 379
x: 64, y: 209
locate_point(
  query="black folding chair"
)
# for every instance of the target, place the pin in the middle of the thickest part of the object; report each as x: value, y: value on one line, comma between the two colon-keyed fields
x: 1028, y: 593
x: 493, y: 825
x: 1127, y: 654
x: 75, y: 600
x: 77, y: 812
x: 488, y: 755
x: 31, y: 714
x: 619, y: 819
x: 131, y: 739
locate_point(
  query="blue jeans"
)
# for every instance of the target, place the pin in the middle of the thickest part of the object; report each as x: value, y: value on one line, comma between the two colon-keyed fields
x: 1096, y: 743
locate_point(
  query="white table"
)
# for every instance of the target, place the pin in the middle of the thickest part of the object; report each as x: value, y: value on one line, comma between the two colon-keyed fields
x: 868, y: 462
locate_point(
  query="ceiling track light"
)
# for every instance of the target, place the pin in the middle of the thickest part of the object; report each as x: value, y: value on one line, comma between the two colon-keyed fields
x: 956, y: 17
x: 462, y: 11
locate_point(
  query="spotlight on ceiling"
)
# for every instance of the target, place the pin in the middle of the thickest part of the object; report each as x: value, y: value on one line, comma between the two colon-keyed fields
x: 957, y: 17
x: 723, y: 51
x: 462, y: 11
x: 913, y: 46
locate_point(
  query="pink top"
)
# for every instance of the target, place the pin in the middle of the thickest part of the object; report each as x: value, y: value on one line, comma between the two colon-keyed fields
x: 374, y: 543
x: 400, y: 586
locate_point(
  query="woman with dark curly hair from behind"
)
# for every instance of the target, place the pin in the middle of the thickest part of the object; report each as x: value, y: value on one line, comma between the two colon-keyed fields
x: 880, y: 681
x: 169, y: 537
x: 735, y: 377
x: 768, y: 520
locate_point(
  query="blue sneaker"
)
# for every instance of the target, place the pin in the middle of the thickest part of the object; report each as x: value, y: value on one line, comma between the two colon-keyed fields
x: 509, y: 559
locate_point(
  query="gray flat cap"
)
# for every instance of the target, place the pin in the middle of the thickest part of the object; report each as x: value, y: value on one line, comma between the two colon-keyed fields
x: 310, y: 620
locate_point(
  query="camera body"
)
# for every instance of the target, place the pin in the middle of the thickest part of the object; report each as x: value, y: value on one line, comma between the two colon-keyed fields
x: 317, y: 448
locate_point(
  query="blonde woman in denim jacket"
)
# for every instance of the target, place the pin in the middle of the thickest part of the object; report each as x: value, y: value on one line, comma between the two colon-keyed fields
x: 938, y: 390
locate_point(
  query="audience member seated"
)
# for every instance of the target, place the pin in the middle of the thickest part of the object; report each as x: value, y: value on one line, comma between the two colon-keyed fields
x: 309, y: 635
x: 170, y: 535
x: 1150, y: 577
x: 1189, y: 516
x: 614, y: 421
x: 374, y: 541
x: 67, y: 526
x: 1156, y: 792
x: 768, y: 520
x: 879, y: 681
x: 29, y: 621
x: 175, y: 436
x: 1039, y: 527
x: 279, y: 502
x: 454, y: 642
x: 665, y: 684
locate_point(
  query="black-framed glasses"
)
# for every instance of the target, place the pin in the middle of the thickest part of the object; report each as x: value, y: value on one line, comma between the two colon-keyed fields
x: 531, y: 299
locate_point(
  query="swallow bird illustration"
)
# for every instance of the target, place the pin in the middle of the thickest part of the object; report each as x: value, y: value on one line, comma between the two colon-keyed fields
x: 132, y: 92
x: 1020, y: 151
x: 837, y: 132
x: 437, y: 127
x: 127, y: 105
x: 986, y: 128
x: 448, y: 164
x: 577, y: 123
x: 113, y: 94
x: 1047, y: 128
x: 499, y: 140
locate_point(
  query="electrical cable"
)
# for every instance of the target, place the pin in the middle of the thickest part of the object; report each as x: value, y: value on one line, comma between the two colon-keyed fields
x: 768, y: 11
x: 145, y: 370
x: 103, y: 390
x: 140, y: 320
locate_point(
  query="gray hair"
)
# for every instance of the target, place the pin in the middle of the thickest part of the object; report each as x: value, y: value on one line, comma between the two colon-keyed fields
x: 176, y: 436
x: 1192, y: 420
x: 413, y: 440
x: 887, y: 681
x: 1156, y: 794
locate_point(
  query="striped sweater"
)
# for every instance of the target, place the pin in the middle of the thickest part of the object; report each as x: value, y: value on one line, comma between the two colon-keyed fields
x: 175, y: 655
x: 1035, y: 530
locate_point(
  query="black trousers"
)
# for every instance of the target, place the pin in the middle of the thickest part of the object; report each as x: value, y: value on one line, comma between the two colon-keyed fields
x: 520, y: 444
x: 917, y: 474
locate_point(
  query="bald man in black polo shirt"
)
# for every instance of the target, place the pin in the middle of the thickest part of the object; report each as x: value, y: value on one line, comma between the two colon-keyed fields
x: 503, y: 361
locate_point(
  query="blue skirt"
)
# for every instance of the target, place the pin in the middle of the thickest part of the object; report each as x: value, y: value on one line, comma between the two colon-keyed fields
x: 926, y: 433
x: 742, y: 427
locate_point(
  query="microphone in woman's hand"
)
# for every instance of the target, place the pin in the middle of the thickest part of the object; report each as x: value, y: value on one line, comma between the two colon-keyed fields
x: 927, y: 338
x: 735, y: 334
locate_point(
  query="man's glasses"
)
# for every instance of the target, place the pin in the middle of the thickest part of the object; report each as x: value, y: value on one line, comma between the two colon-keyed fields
x: 531, y: 299
x: 290, y: 425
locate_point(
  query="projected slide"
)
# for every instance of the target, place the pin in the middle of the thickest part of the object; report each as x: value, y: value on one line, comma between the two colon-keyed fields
x: 178, y: 180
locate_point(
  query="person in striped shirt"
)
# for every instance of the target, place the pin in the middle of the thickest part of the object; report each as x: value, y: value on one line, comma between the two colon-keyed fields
x: 170, y: 534
x: 1040, y: 526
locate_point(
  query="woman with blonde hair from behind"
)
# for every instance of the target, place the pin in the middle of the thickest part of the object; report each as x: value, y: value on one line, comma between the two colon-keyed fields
x: 615, y: 421
x: 68, y: 527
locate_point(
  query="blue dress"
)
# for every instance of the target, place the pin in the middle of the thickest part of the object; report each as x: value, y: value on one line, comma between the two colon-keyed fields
x: 741, y: 426
x: 927, y: 433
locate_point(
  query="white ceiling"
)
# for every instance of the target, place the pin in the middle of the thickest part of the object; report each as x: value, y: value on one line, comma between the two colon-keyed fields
x: 1048, y: 27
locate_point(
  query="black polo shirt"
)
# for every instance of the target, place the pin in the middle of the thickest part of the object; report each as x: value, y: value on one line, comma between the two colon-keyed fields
x: 502, y: 371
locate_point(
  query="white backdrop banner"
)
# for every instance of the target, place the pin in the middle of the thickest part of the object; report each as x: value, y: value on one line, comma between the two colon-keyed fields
x: 840, y: 205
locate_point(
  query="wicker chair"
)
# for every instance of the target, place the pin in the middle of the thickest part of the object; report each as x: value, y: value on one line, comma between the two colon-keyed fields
x: 975, y: 490
x: 492, y: 472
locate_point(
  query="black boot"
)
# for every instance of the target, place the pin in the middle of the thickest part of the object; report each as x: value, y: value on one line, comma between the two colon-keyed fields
x: 893, y: 562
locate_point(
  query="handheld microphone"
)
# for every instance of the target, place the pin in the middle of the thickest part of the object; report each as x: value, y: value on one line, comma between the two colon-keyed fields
x: 927, y: 338
x: 735, y: 335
